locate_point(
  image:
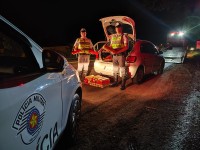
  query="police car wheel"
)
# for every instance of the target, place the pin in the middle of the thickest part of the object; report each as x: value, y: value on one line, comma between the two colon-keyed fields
x: 73, y: 119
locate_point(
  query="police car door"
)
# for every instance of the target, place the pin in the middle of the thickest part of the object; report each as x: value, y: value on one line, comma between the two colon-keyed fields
x: 30, y: 110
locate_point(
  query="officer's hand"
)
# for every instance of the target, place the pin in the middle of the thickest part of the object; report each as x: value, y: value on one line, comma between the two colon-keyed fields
x: 112, y: 51
x: 97, y: 56
x: 91, y: 51
x: 75, y: 51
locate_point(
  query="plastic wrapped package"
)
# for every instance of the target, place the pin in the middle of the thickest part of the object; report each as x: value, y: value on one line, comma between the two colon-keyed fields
x: 97, y: 81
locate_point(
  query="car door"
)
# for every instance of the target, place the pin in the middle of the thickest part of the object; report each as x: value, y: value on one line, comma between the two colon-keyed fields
x: 31, y: 108
x: 156, y: 58
x: 146, y: 56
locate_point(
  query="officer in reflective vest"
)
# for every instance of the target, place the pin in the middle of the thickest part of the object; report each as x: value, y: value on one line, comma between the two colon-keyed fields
x: 117, y: 47
x: 83, y: 47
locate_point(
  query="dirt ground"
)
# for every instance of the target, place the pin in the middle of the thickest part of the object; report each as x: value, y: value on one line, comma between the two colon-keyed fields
x: 160, y: 114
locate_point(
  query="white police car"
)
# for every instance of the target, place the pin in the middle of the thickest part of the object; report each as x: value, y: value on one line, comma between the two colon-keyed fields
x: 40, y: 93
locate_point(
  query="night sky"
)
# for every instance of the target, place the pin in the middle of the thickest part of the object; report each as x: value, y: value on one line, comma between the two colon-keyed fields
x: 52, y: 23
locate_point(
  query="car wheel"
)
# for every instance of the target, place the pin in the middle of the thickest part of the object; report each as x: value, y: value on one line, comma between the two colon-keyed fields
x: 161, y: 69
x: 182, y: 59
x: 73, y: 119
x: 139, y: 76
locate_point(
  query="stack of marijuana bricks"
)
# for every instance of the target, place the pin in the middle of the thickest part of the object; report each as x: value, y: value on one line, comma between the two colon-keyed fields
x: 97, y: 81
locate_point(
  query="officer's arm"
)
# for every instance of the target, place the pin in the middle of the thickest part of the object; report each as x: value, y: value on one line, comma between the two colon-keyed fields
x: 108, y: 49
x: 75, y: 49
x: 123, y: 49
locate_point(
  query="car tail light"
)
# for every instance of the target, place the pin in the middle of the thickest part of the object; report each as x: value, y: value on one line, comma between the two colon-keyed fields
x: 131, y: 59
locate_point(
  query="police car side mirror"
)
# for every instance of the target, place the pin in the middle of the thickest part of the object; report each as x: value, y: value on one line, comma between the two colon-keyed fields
x: 52, y: 61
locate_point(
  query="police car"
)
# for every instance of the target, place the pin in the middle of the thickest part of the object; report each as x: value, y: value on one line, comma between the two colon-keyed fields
x: 40, y: 93
x: 142, y: 56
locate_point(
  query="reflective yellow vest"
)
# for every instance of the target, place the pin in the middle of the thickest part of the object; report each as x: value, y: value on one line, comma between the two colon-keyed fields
x: 116, y: 41
x: 84, y: 46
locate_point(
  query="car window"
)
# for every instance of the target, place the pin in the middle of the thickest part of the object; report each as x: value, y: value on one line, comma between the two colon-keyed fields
x: 16, y: 57
x: 148, y: 48
x: 130, y: 45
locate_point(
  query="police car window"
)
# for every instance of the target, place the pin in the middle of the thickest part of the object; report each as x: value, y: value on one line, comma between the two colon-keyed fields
x: 16, y: 57
x: 9, y: 47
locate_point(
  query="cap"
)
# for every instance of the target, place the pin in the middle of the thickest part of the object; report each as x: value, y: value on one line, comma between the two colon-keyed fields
x: 83, y: 30
x: 118, y: 24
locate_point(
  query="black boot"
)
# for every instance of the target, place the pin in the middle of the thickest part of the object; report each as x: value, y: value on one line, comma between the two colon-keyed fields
x: 84, y: 74
x: 80, y: 74
x: 123, y: 84
x: 115, y: 83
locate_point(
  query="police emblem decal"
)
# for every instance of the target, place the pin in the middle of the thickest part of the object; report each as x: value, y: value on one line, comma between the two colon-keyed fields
x: 29, y: 119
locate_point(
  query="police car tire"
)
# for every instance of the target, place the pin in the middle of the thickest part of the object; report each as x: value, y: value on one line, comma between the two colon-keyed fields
x: 73, y: 120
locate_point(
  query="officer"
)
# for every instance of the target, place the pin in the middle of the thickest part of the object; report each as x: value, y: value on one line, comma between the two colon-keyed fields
x: 83, y: 47
x: 117, y: 47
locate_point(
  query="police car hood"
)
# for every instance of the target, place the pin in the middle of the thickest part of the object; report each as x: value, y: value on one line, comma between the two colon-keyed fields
x: 128, y: 25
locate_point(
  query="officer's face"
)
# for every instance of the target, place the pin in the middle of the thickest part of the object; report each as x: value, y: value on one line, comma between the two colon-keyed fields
x: 118, y: 29
x: 83, y: 34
